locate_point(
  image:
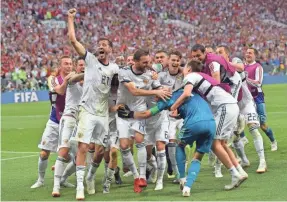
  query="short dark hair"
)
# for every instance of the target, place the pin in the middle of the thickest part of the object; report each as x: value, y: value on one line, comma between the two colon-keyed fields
x: 226, y: 48
x: 139, y: 53
x: 197, y: 47
x: 161, y: 51
x: 195, y: 65
x: 106, y: 39
x: 175, y: 52
x: 80, y: 58
x: 255, y: 51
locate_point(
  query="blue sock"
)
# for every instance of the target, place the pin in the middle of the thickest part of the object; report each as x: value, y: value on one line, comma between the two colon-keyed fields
x: 242, y: 134
x: 269, y: 133
x: 180, y: 159
x: 192, y: 172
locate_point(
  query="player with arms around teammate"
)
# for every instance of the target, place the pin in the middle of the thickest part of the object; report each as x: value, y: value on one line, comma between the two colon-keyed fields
x: 225, y: 110
x: 247, y: 108
x: 94, y: 111
x: 67, y: 124
x: 254, y: 80
x: 57, y: 93
x: 198, y: 126
x: 135, y: 83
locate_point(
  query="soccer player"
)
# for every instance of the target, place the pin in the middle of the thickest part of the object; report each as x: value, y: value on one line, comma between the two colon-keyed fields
x: 225, y: 110
x: 49, y: 142
x: 254, y: 80
x: 161, y: 57
x: 172, y: 78
x: 93, y: 111
x: 247, y: 108
x: 67, y: 124
x: 130, y: 60
x: 135, y: 83
x: 199, y: 127
x: 218, y: 68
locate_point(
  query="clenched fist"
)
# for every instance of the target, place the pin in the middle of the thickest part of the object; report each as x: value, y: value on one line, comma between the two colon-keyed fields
x: 72, y: 12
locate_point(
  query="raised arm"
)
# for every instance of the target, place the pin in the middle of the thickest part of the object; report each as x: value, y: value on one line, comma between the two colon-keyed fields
x: 186, y: 94
x: 77, y: 78
x: 61, y: 88
x: 71, y: 33
x: 238, y: 64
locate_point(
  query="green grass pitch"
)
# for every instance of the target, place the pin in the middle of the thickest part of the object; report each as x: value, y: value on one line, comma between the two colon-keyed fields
x: 23, y: 124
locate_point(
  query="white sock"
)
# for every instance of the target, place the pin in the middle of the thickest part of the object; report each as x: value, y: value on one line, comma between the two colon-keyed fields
x: 171, y: 153
x: 217, y: 164
x: 59, y: 169
x: 161, y: 164
x: 80, y: 172
x: 234, y: 172
x: 142, y: 159
x: 70, y: 169
x: 152, y: 162
x: 42, y: 166
x: 89, y: 157
x: 240, y: 169
x: 129, y: 162
x: 239, y: 147
x: 258, y: 142
x: 110, y: 175
x: 92, y: 171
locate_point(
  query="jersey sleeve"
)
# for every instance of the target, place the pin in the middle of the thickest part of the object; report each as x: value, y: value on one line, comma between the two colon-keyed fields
x: 52, y: 83
x: 192, y: 78
x: 214, y: 67
x: 123, y: 75
x: 155, y: 84
x: 90, y: 60
x: 259, y: 75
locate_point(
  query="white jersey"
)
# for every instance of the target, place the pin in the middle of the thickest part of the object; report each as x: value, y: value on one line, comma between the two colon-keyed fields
x: 73, y: 98
x: 172, y: 81
x: 246, y: 95
x: 142, y: 81
x: 97, y: 84
x: 215, y: 95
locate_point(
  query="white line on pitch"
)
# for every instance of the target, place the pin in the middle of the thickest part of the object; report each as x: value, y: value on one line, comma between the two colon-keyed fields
x: 16, y: 152
x: 19, y: 157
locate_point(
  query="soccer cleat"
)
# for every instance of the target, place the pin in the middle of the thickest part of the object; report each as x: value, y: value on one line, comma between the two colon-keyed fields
x: 262, y: 168
x: 244, y: 140
x: 80, y: 196
x: 217, y: 171
x: 67, y: 184
x: 118, y: 178
x: 53, y: 168
x: 56, y: 192
x: 106, y: 188
x: 90, y: 186
x: 176, y: 181
x: 182, y: 182
x: 153, y: 177
x: 186, y: 191
x: 235, y: 182
x: 137, y: 188
x: 158, y: 186
x: 170, y: 176
x: 274, y: 146
x: 142, y: 182
x: 128, y: 174
x: 37, y: 185
x: 245, y: 164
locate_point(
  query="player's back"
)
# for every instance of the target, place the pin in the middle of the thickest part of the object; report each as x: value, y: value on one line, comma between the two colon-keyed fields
x: 141, y: 81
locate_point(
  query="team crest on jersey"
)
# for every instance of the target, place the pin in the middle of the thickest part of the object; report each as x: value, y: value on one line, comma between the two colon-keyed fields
x: 66, y: 141
x: 145, y: 81
x: 44, y: 142
x: 80, y: 135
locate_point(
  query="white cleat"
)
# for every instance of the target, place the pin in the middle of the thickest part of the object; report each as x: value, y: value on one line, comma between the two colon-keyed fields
x: 90, y: 186
x: 37, y: 185
x: 182, y: 182
x: 153, y: 176
x: 56, y: 192
x: 158, y: 186
x: 235, y: 182
x: 80, y: 196
x: 218, y: 174
x: 106, y: 188
x: 186, y: 191
x: 128, y: 174
x: 245, y: 164
x: 67, y: 184
x: 274, y: 146
x: 262, y: 168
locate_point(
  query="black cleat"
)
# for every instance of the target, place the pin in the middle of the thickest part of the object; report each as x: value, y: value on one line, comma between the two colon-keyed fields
x: 118, y: 178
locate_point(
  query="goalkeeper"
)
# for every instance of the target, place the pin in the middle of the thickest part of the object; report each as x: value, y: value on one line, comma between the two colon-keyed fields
x: 199, y: 127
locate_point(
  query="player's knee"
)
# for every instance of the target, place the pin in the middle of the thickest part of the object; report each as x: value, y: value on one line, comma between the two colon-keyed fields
x: 113, y: 153
x: 160, y: 146
x: 83, y: 148
x: 44, y: 154
x: 100, y: 150
x: 263, y: 127
x: 253, y: 127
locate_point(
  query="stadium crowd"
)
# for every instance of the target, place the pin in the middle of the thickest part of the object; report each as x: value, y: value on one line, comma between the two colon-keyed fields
x: 29, y: 46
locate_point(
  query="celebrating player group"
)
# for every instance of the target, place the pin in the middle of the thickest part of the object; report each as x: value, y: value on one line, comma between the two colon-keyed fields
x: 99, y: 109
